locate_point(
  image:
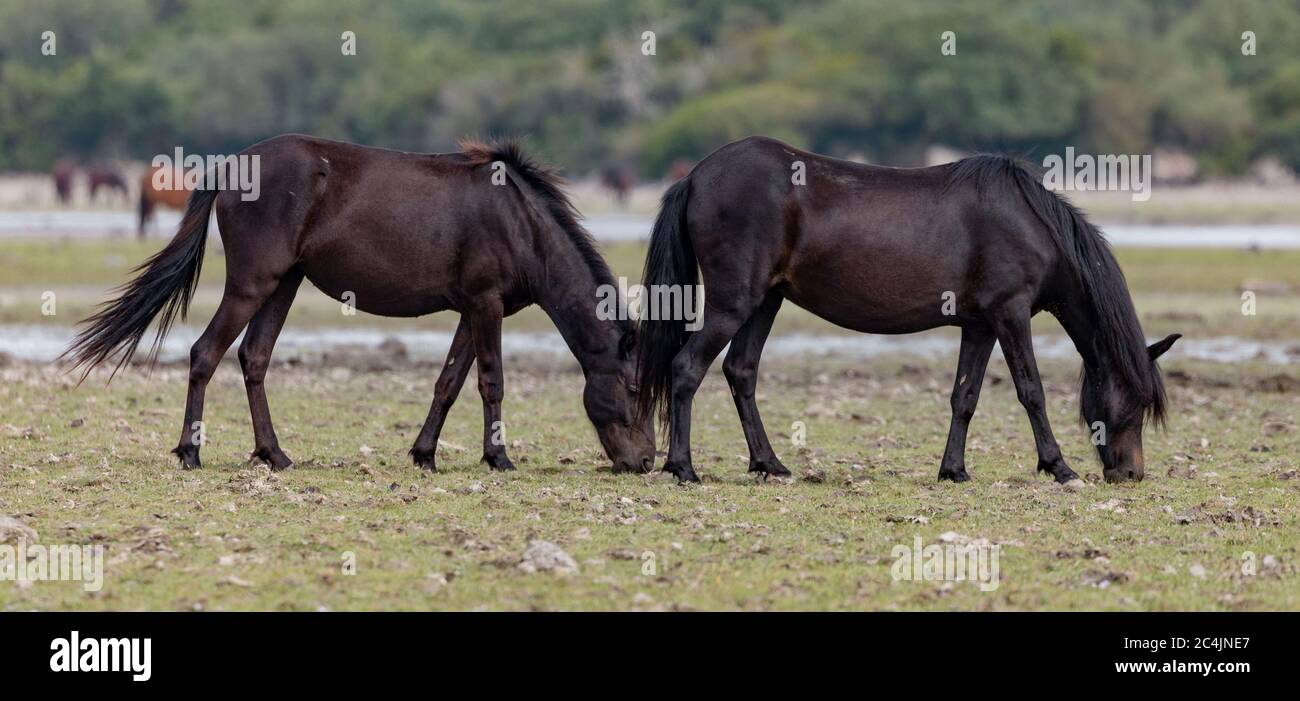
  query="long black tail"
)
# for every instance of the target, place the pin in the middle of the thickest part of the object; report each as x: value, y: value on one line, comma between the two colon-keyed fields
x: 165, y: 285
x: 670, y: 261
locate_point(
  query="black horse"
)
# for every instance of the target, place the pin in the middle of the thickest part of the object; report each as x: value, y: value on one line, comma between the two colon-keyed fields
x: 485, y: 232
x: 978, y: 244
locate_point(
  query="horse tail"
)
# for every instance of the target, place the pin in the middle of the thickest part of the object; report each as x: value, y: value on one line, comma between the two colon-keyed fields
x: 163, y: 289
x: 670, y: 261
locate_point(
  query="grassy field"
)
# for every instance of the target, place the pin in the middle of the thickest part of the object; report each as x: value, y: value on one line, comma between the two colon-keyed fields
x: 90, y: 465
x: 1222, y: 483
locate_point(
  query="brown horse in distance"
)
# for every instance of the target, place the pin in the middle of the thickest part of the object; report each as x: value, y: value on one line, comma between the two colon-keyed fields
x: 979, y: 244
x: 152, y: 197
x: 485, y: 232
x: 104, y: 175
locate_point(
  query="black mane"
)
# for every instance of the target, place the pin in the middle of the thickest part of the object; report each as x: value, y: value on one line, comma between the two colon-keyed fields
x: 1089, y: 257
x: 547, y: 185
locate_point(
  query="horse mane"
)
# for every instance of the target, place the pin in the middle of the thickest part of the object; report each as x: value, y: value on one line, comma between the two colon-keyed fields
x: 547, y: 184
x: 1089, y: 257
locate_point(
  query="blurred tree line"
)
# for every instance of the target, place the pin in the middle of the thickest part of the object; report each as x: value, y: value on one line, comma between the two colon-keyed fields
x: 132, y: 78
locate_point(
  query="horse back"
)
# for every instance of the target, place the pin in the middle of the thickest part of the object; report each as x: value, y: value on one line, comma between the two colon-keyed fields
x: 405, y: 233
x: 870, y: 248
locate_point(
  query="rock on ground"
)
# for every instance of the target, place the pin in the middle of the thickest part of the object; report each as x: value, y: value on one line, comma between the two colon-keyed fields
x: 12, y: 530
x: 544, y: 556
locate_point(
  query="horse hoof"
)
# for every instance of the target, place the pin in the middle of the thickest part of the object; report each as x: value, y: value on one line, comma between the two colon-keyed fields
x: 683, y: 473
x: 424, y: 460
x: 189, y: 457
x: 1066, y: 476
x: 274, y: 458
x: 500, y: 463
x: 769, y: 468
x: 1059, y: 471
x: 954, y: 475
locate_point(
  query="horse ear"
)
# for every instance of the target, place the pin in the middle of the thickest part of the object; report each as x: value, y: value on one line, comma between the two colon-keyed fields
x: 1157, y: 349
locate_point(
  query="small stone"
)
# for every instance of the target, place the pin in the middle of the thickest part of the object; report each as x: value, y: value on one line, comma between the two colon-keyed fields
x: 545, y: 556
x: 1075, y: 485
x: 12, y: 530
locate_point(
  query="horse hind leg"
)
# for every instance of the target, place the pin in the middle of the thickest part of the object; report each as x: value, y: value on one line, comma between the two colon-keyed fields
x: 238, y: 305
x: 741, y: 370
x: 146, y: 209
x: 688, y: 370
x: 254, y: 359
x: 973, y: 358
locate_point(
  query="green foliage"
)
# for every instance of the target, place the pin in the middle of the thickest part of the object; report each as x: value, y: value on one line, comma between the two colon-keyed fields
x: 135, y: 77
x: 705, y: 123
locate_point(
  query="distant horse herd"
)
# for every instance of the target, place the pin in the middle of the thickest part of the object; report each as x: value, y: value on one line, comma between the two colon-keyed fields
x: 979, y: 244
x: 618, y: 178
x: 110, y: 178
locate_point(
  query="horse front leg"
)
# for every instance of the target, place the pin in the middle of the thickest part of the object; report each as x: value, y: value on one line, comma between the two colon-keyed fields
x: 485, y: 330
x: 1017, y: 346
x: 976, y: 346
x: 454, y: 371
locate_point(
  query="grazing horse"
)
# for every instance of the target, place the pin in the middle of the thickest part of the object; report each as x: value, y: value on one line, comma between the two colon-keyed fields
x: 106, y: 176
x: 63, y: 171
x: 979, y: 244
x: 619, y: 179
x: 152, y: 197
x: 485, y: 232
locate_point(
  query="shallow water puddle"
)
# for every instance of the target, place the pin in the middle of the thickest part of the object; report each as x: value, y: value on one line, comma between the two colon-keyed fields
x: 44, y: 343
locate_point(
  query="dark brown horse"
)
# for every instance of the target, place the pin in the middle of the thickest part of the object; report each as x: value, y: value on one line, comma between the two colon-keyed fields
x: 619, y: 179
x: 485, y: 232
x: 104, y: 175
x: 63, y: 172
x: 978, y: 244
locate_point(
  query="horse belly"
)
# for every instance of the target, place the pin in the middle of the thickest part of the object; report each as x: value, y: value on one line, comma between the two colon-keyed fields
x: 375, y: 290
x: 876, y: 292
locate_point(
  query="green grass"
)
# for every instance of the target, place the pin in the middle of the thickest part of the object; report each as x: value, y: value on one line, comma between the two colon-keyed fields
x: 1195, y: 292
x: 1221, y: 482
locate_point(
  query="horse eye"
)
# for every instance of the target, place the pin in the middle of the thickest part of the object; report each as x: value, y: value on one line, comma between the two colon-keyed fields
x: 631, y: 388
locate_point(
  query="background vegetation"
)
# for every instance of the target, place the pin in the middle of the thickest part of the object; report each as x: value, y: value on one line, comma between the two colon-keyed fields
x: 137, y: 77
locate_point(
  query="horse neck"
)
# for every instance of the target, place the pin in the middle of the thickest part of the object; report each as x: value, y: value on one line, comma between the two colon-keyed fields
x: 566, y: 289
x: 1078, y: 322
